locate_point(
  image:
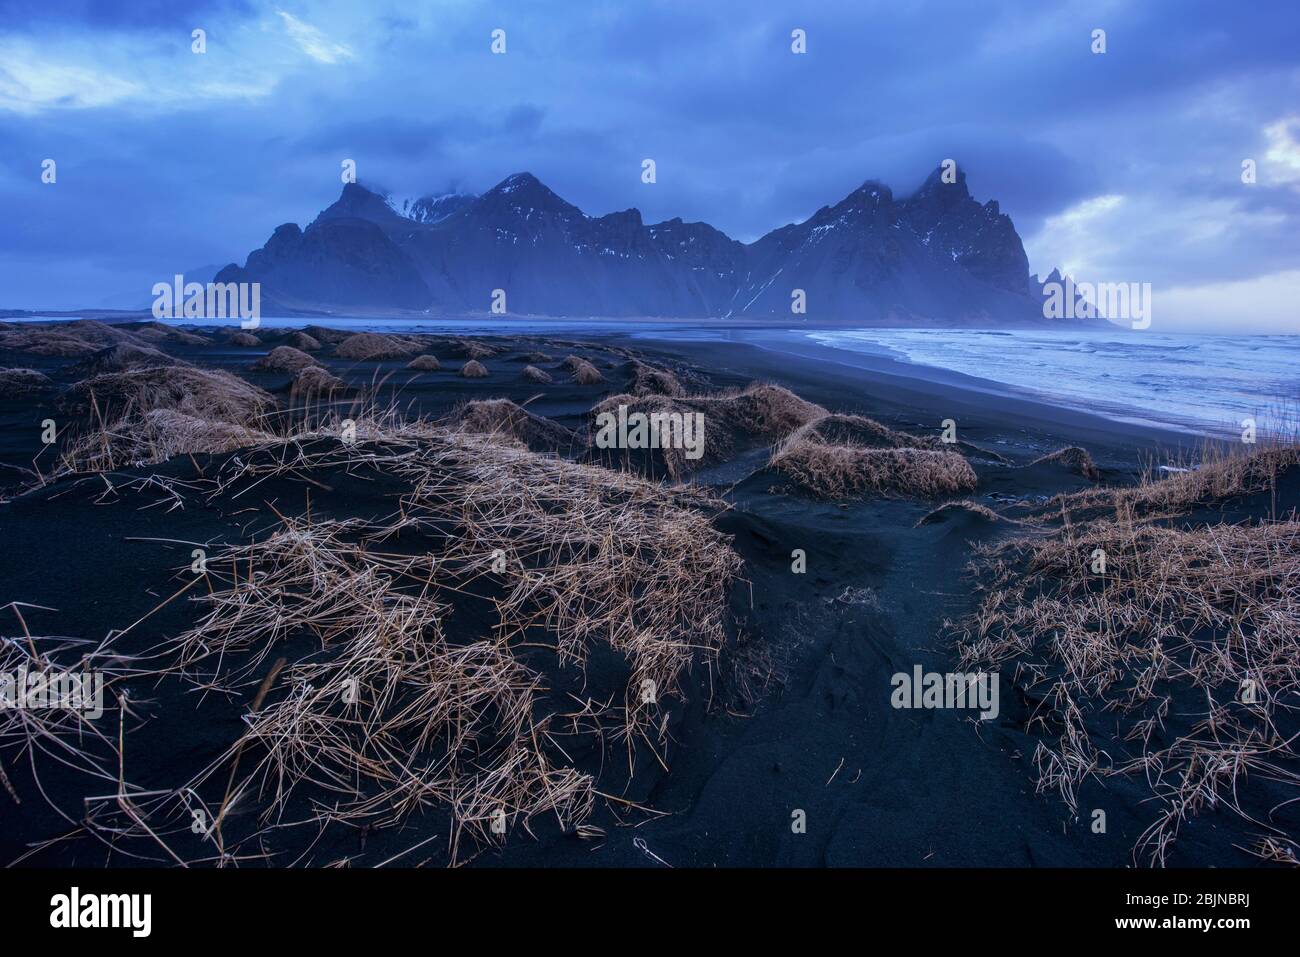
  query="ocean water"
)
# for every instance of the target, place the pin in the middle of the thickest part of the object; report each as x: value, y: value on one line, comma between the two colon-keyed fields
x: 1197, y: 383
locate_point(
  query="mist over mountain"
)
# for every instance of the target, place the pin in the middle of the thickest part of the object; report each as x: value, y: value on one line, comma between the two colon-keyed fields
x: 936, y: 257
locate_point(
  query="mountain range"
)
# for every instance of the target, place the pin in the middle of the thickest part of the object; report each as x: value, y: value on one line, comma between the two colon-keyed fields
x: 936, y: 257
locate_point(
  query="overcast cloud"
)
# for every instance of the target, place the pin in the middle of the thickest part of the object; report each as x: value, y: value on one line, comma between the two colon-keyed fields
x: 1124, y: 166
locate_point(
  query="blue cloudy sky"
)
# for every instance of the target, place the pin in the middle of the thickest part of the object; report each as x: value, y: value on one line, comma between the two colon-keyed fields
x: 1124, y: 166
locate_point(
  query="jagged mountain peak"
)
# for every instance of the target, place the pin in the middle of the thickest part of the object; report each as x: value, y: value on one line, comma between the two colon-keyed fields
x: 935, y: 199
x: 356, y: 191
x: 525, y: 191
x: 934, y: 184
x: 873, y: 190
x: 358, y: 202
x: 937, y: 256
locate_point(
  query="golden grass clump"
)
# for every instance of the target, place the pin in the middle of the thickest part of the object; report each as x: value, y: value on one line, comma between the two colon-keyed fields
x: 963, y: 507
x: 651, y: 380
x: 858, y: 430
x: 76, y: 339
x: 471, y: 349
x: 302, y: 341
x: 1181, y: 642
x: 1073, y: 457
x: 327, y: 334
x: 376, y: 347
x: 1220, y: 476
x: 16, y: 382
x: 473, y: 369
x: 717, y: 443
x: 584, y: 373
x: 155, y: 437
x: 389, y: 714
x: 845, y: 471
x: 756, y: 415
x: 505, y: 419
x: 834, y: 455
x: 592, y: 556
x: 121, y: 357
x: 763, y: 409
x: 245, y: 340
x: 392, y: 717
x: 313, y: 383
x: 534, y: 374
x: 203, y: 393
x: 425, y: 363
x: 144, y: 416
x: 160, y: 332
x: 285, y: 359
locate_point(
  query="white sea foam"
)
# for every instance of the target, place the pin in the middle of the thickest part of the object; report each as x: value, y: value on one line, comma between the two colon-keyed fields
x: 1198, y: 382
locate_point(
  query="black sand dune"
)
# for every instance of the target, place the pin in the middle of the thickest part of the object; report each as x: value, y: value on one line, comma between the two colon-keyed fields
x: 782, y: 748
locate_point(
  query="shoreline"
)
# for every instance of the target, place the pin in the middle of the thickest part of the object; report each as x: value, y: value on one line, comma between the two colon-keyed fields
x: 916, y: 378
x: 911, y: 391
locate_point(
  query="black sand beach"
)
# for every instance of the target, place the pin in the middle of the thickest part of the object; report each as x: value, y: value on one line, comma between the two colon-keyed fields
x: 785, y: 751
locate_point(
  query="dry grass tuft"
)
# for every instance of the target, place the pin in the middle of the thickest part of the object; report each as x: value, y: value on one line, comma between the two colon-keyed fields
x: 76, y: 339
x: 123, y: 357
x: 375, y: 347
x: 285, y: 359
x: 327, y: 334
x: 473, y: 370
x: 1184, y: 647
x: 764, y: 409
x: 155, y: 437
x: 860, y: 431
x: 964, y: 507
x: 651, y: 380
x: 505, y: 419
x: 833, y: 455
x: 314, y: 382
x: 599, y: 556
x: 844, y: 471
x: 1276, y: 850
x: 22, y: 382
x: 203, y: 393
x: 1218, y: 477
x: 758, y: 415
x: 147, y: 415
x: 534, y: 374
x: 1074, y: 458
x: 424, y: 364
x: 470, y: 349
x: 302, y: 341
x: 390, y: 715
x: 584, y: 373
x: 160, y: 332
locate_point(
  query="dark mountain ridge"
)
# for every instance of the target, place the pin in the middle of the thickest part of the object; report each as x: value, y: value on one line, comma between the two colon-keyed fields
x: 936, y: 257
